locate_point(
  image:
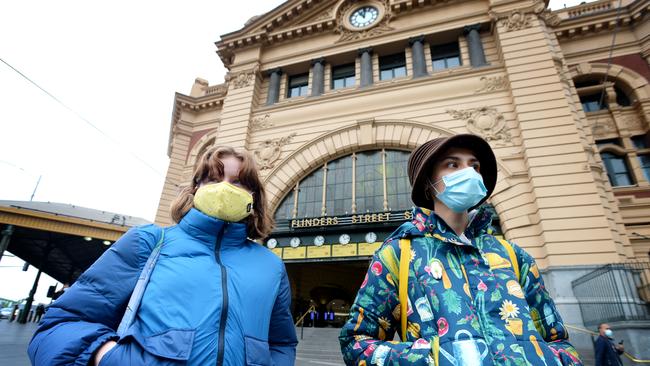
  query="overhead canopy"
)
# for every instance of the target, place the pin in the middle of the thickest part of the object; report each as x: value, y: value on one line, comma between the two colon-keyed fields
x: 61, y: 239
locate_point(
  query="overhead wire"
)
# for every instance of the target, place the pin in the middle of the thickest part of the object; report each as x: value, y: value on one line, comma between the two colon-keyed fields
x: 81, y: 117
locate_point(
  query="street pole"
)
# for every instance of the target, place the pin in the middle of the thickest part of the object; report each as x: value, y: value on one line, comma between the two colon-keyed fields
x: 30, y: 299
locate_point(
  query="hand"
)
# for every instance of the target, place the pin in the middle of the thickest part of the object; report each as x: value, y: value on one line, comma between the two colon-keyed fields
x: 620, y: 347
x: 102, y: 351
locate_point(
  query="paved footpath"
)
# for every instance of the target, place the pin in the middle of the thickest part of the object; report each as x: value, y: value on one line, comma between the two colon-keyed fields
x: 14, y: 338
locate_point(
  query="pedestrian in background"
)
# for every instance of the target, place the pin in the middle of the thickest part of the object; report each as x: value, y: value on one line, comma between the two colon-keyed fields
x: 607, y: 353
x: 213, y: 296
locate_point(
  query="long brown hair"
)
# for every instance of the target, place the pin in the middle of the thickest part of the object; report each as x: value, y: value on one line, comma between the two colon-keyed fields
x: 210, y: 169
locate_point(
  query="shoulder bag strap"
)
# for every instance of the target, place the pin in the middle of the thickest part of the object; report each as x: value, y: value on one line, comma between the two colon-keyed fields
x: 405, y: 258
x: 513, y: 258
x: 140, y: 286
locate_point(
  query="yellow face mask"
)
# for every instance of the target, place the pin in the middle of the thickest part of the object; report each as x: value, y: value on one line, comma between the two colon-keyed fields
x: 224, y: 201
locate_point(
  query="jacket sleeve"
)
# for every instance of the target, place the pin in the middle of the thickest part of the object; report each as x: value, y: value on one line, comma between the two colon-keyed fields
x: 87, y: 314
x: 282, y: 333
x: 601, y: 359
x: 367, y: 336
x: 546, y: 318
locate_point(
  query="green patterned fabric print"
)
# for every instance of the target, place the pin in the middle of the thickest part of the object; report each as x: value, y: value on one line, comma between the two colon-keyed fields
x: 466, y: 306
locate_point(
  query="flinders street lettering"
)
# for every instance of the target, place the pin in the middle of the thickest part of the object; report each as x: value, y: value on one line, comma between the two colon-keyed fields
x: 351, y: 220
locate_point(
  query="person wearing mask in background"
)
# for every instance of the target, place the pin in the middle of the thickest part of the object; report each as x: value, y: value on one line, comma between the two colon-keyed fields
x: 213, y: 296
x: 456, y: 294
x: 607, y: 353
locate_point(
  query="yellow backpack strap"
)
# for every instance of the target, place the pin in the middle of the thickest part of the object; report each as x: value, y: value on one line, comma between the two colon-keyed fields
x: 513, y: 258
x: 405, y: 258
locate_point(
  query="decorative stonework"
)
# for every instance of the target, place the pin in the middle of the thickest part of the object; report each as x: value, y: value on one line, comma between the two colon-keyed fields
x: 242, y: 79
x: 603, y: 127
x: 493, y: 83
x: 349, y: 34
x: 517, y: 20
x: 632, y: 122
x: 261, y: 122
x: 269, y: 151
x: 520, y: 18
x: 486, y: 122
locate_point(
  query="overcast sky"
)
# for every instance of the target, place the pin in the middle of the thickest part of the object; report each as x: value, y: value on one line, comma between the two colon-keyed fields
x: 115, y: 65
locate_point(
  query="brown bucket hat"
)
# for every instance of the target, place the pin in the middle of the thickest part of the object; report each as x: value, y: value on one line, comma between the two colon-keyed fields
x: 422, y: 159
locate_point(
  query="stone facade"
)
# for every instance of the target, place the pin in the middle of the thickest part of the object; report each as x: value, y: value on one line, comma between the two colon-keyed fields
x: 523, y: 78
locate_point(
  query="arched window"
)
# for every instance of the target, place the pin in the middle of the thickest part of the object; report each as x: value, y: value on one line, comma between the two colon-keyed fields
x: 596, y: 94
x: 615, y: 161
x: 364, y: 182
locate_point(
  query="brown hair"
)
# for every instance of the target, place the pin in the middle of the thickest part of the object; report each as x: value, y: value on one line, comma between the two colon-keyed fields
x: 210, y: 169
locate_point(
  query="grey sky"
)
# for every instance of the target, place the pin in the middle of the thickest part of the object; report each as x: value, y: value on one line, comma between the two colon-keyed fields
x: 117, y: 64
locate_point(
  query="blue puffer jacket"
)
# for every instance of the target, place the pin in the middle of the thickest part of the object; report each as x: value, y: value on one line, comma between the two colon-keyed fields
x: 214, y: 297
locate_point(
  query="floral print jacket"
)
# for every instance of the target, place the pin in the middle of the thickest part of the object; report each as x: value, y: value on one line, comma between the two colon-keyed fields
x: 466, y: 305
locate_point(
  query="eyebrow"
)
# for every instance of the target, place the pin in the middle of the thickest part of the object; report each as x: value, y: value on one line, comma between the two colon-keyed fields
x: 451, y: 157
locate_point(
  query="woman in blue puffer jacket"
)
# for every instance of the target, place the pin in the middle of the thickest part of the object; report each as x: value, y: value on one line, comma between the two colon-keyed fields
x: 208, y: 294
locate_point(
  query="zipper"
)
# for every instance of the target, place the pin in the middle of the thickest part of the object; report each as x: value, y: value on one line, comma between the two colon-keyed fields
x: 224, y: 303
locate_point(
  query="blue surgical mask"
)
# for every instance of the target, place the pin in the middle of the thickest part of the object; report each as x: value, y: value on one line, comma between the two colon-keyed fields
x: 463, y: 189
x: 609, y: 333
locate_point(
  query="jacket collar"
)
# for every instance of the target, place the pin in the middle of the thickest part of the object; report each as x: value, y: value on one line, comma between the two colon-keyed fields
x: 430, y: 224
x: 207, y: 229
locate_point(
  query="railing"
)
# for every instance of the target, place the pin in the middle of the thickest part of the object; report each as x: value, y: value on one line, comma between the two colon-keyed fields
x: 614, y: 292
x: 591, y: 333
x: 590, y: 8
x: 301, y: 320
x: 216, y: 89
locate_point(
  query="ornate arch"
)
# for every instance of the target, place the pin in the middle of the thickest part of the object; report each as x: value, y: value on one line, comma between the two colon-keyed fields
x: 201, y: 145
x: 363, y: 135
x: 635, y: 83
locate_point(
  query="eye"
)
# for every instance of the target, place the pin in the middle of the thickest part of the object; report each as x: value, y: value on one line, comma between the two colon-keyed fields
x: 451, y: 164
x: 476, y: 167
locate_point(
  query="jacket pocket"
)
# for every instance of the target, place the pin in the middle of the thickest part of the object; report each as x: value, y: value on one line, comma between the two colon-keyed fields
x: 257, y: 352
x: 174, y: 344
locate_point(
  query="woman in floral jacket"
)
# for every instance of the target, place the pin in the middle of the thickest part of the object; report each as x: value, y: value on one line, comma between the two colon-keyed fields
x: 472, y: 300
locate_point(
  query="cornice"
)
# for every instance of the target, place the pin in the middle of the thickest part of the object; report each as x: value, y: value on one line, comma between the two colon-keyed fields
x: 600, y: 16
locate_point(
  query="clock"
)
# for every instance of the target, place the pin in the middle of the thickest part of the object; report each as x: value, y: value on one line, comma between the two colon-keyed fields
x: 371, y: 237
x: 295, y: 242
x: 319, y: 240
x: 271, y: 243
x: 364, y: 16
x: 344, y: 239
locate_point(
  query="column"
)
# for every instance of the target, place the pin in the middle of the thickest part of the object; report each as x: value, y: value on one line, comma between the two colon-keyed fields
x: 318, y: 77
x: 476, y: 53
x: 274, y: 86
x: 366, y: 66
x: 417, y: 52
x: 6, y: 236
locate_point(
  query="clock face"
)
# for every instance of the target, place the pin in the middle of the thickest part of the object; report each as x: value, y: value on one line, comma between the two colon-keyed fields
x: 271, y: 243
x: 319, y: 240
x: 371, y: 237
x: 295, y: 242
x: 364, y: 16
x: 344, y: 239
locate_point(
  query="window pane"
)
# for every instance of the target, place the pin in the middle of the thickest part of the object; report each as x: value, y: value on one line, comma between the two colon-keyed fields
x: 298, y: 85
x: 591, y: 102
x: 453, y: 62
x: 370, y: 190
x: 285, y: 209
x: 641, y: 141
x: 399, y: 71
x: 397, y: 186
x: 338, y: 83
x: 445, y: 56
x: 310, y: 197
x: 439, y: 65
x: 339, y: 177
x: 349, y: 81
x: 391, y: 66
x: 617, y: 169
